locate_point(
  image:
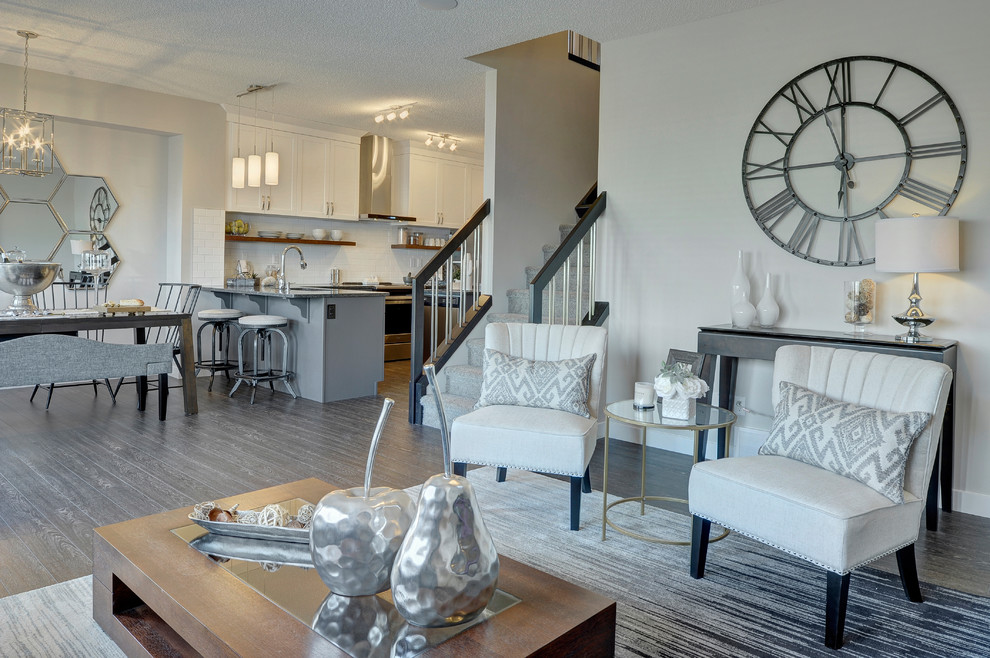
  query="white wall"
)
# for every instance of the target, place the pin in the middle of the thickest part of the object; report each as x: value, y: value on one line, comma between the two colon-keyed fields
x: 675, y: 113
x: 162, y: 156
x: 544, y: 151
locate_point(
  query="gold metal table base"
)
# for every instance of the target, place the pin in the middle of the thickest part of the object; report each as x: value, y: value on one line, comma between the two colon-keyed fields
x: 642, y: 498
x: 656, y: 540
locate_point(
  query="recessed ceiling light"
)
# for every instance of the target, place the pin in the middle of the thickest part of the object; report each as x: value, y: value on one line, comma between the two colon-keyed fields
x: 438, y: 4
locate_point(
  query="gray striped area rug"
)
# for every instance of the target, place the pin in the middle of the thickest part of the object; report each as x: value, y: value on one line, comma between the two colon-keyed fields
x: 753, y: 601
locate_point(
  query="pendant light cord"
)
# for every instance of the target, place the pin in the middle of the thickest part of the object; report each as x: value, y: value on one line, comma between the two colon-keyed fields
x: 27, y: 38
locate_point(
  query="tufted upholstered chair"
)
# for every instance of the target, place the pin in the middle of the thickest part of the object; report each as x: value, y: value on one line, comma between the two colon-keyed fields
x: 830, y: 520
x: 529, y: 438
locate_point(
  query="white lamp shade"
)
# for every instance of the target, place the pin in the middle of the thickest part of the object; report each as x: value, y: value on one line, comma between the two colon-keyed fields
x: 917, y: 244
x: 271, y: 168
x: 237, y: 170
x: 254, y: 170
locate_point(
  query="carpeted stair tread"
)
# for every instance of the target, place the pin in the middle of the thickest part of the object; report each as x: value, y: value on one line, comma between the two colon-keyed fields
x: 507, y: 317
x: 454, y: 406
x: 476, y: 351
x: 463, y: 380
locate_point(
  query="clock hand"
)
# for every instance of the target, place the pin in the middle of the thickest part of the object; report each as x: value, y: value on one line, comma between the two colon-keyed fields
x: 831, y: 130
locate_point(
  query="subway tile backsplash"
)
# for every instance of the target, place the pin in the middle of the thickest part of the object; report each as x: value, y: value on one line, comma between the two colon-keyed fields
x: 372, y: 256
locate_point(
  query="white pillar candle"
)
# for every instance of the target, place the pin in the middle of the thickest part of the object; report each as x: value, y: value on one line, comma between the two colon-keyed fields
x: 644, y: 397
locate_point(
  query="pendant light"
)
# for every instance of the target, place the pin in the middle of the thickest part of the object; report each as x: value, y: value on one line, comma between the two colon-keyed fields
x: 271, y: 157
x: 238, y: 166
x: 28, y: 137
x: 254, y: 160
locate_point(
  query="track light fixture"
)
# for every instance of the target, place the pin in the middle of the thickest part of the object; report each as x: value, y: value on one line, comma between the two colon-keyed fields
x: 253, y: 162
x: 393, y: 112
x: 443, y: 140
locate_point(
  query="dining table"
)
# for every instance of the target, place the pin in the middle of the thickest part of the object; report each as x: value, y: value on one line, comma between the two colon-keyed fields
x: 70, y: 322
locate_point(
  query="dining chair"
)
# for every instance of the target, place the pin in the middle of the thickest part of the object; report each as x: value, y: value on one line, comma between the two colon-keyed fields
x: 63, y: 295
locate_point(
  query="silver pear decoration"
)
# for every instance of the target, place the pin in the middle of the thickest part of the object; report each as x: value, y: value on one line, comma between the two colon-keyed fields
x: 447, y: 567
x: 356, y: 533
x: 363, y: 626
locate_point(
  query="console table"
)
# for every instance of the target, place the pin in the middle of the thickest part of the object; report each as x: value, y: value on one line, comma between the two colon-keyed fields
x: 730, y: 344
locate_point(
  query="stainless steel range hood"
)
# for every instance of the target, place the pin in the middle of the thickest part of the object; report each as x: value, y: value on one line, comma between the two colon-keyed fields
x: 375, y: 196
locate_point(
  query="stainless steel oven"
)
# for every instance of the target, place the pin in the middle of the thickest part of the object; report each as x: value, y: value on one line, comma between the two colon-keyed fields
x: 398, y: 327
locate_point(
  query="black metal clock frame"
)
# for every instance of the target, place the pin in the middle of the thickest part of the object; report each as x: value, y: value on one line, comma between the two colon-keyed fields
x: 850, y: 250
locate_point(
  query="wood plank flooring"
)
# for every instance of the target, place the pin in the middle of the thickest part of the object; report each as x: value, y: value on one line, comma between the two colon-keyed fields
x: 86, y: 463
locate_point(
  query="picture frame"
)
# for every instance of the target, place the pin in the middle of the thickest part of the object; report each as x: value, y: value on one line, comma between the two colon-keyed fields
x: 695, y: 360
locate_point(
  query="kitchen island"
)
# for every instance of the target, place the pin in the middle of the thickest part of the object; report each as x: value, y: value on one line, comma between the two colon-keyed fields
x: 336, y: 336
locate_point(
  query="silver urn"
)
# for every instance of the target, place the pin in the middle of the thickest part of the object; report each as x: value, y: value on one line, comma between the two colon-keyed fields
x: 447, y: 568
x: 356, y: 533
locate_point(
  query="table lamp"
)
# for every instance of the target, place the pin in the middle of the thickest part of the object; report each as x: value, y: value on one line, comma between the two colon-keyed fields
x: 917, y: 244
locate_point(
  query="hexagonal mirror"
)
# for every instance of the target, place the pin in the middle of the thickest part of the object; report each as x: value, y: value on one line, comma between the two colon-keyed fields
x: 31, y: 227
x: 69, y: 253
x: 19, y: 187
x: 84, y: 203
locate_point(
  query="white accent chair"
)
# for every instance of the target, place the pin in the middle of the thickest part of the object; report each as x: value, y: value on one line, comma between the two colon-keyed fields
x: 815, y: 514
x: 529, y: 438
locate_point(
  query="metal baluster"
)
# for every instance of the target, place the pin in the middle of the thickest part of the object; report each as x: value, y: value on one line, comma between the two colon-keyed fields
x: 552, y: 298
x: 566, y: 302
x: 476, y: 278
x: 579, y: 315
x: 433, y: 315
x: 592, y: 269
x: 448, y: 316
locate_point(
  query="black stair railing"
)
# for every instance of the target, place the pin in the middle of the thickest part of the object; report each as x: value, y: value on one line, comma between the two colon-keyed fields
x: 447, y: 304
x: 576, y: 254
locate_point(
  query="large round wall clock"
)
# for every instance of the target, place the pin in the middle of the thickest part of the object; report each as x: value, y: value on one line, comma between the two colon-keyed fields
x: 846, y: 143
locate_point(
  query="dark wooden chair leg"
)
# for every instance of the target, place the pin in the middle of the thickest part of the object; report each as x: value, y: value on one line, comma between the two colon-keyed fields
x: 142, y: 390
x: 576, y: 483
x: 460, y: 469
x: 34, y: 392
x: 700, y: 529
x: 835, y: 609
x: 162, y: 396
x: 500, y: 473
x: 909, y: 573
x: 51, y: 389
x: 96, y: 390
x: 586, y: 481
x: 113, y: 395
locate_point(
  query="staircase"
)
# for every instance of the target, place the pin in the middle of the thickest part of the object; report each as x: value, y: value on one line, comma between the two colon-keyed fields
x: 461, y: 384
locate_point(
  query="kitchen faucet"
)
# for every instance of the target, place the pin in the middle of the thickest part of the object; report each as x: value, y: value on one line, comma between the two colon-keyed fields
x: 283, y: 282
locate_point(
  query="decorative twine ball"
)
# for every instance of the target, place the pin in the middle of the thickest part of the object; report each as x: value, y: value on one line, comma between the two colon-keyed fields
x: 273, y: 515
x: 305, y: 514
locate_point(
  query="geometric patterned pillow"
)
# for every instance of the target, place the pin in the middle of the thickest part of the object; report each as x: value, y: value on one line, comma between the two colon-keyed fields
x: 862, y: 443
x: 512, y: 380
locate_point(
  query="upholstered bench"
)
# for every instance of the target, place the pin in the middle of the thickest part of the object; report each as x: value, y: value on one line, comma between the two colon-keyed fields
x: 48, y: 358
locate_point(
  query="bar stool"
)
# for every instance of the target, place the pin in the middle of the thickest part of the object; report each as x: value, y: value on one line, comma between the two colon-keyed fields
x: 262, y: 328
x: 219, y: 320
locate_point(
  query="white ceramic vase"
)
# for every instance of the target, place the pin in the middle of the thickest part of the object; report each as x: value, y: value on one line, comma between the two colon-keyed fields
x: 743, y: 314
x: 678, y: 408
x: 740, y: 283
x: 767, y: 311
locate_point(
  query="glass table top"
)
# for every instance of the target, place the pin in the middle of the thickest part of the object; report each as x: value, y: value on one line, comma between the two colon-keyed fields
x: 359, y: 625
x: 706, y: 416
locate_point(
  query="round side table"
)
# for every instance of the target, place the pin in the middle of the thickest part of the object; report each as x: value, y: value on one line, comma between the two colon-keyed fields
x: 706, y: 418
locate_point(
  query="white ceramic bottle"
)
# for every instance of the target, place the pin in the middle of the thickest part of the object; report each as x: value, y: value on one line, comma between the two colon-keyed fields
x: 742, y: 311
x: 767, y: 311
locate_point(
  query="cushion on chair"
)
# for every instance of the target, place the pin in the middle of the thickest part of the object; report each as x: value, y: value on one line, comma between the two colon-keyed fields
x: 513, y: 380
x: 823, y: 517
x: 866, y: 444
x: 263, y: 321
x: 542, y: 440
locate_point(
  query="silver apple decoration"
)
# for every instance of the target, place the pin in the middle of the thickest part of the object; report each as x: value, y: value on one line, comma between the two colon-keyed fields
x: 447, y: 568
x: 356, y: 533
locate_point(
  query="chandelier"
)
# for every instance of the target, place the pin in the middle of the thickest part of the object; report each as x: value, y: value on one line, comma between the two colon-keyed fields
x: 28, y: 145
x: 252, y: 166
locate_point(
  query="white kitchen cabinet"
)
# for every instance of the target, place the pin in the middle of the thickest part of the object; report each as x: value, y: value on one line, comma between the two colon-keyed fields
x: 327, y: 180
x: 271, y: 199
x: 438, y: 190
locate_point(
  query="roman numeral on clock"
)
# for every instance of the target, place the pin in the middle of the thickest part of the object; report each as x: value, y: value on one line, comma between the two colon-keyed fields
x: 921, y: 109
x: 840, y: 82
x: 849, y: 242
x: 939, y: 150
x: 927, y: 195
x: 771, y: 212
x: 768, y: 170
x: 803, y: 238
x: 805, y: 108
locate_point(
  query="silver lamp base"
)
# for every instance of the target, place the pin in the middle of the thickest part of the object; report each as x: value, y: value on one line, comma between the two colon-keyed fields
x: 914, y: 318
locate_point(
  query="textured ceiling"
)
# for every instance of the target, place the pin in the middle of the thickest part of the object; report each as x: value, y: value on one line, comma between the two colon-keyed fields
x: 336, y: 62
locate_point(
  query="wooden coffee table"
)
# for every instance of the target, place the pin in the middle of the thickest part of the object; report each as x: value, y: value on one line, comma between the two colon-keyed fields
x: 154, y: 594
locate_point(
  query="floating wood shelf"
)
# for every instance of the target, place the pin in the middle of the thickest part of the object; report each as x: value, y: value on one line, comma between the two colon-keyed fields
x: 416, y: 246
x: 253, y: 238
